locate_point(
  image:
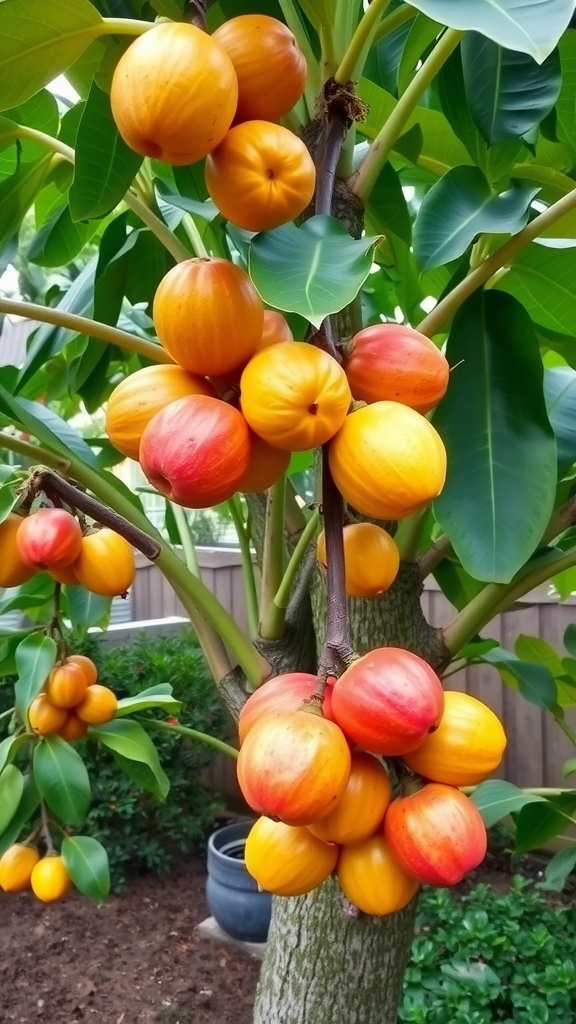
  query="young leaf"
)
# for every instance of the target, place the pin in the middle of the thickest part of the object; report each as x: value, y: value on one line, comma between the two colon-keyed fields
x: 144, y: 701
x: 35, y: 657
x: 496, y: 799
x: 130, y: 741
x: 11, y: 788
x: 557, y: 870
x: 62, y: 780
x: 86, y: 861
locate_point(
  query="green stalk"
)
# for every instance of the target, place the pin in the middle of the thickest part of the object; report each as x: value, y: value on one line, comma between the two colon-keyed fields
x: 363, y: 181
x: 352, y: 63
x: 84, y: 325
x: 34, y: 453
x: 194, y: 236
x: 124, y: 27
x: 395, y: 20
x: 445, y: 310
x: 272, y: 560
x: 7, y: 714
x: 313, y: 81
x: 188, y: 546
x: 284, y: 590
x: 408, y: 534
x: 194, y: 734
x: 235, y: 510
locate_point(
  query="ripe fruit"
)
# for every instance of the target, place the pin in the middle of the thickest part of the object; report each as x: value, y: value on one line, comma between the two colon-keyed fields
x: 388, y: 701
x: 98, y: 706
x: 74, y: 728
x: 44, y: 717
x: 86, y: 665
x: 49, y: 537
x: 196, y: 451
x: 66, y: 686
x: 293, y: 766
x: 270, y: 68
x: 106, y: 563
x: 13, y: 571
x: 306, y: 395
x: 361, y: 807
x: 50, y: 881
x: 387, y: 460
x: 265, y: 465
x: 64, y: 574
x: 174, y: 93
x: 467, y: 746
x: 276, y: 329
x: 208, y: 315
x: 285, y: 860
x: 372, y: 879
x: 390, y: 362
x: 260, y: 176
x: 16, y: 866
x: 286, y: 692
x: 371, y: 559
x: 140, y: 396
x: 436, y: 834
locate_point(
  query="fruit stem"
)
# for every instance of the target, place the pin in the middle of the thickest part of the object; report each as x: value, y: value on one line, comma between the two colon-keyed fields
x: 186, y: 540
x: 272, y: 624
x: 84, y: 325
x: 124, y: 27
x: 363, y: 180
x: 282, y: 595
x: 243, y: 535
x: 196, y: 241
x: 395, y: 20
x: 45, y: 829
x: 353, y: 60
x: 337, y: 649
x: 7, y: 714
x: 194, y: 734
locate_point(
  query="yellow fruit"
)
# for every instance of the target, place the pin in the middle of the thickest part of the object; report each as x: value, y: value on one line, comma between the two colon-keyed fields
x: 16, y: 866
x: 66, y: 686
x: 44, y: 717
x: 362, y: 806
x: 372, y: 879
x: 50, y: 881
x: 86, y: 664
x: 287, y: 860
x: 13, y: 571
x: 371, y: 559
x: 99, y: 705
x: 106, y: 564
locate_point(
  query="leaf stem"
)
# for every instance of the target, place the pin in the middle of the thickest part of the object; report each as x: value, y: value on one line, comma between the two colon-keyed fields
x: 445, y: 310
x: 352, y: 63
x: 435, y: 554
x: 125, y: 27
x: 7, y: 714
x: 34, y: 452
x: 363, y: 180
x: 408, y: 534
x: 194, y: 734
x: 186, y: 540
x: 45, y: 829
x: 395, y: 20
x: 196, y: 241
x: 282, y: 596
x: 243, y: 535
x: 272, y: 625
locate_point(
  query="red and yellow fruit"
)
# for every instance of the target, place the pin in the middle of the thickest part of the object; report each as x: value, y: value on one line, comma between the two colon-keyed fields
x: 394, y: 363
x: 371, y: 559
x: 266, y: 465
x: 66, y: 686
x: 50, y: 880
x: 372, y: 879
x: 286, y: 692
x: 287, y: 860
x: 98, y: 706
x: 16, y: 866
x: 174, y: 93
x: 106, y: 564
x: 49, y: 537
x: 388, y: 701
x: 361, y: 808
x: 13, y: 570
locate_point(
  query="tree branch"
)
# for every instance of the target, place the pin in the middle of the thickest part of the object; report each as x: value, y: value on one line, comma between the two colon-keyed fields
x: 435, y: 554
x: 272, y: 620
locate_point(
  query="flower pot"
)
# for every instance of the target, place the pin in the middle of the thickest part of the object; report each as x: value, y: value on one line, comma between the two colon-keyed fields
x: 231, y: 893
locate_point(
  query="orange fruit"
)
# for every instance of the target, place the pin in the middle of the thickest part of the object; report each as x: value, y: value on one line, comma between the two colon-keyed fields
x: 99, y: 705
x: 106, y: 564
x: 13, y: 571
x: 74, y: 728
x: 50, y: 881
x: 86, y: 664
x: 371, y: 559
x: 16, y: 866
x: 66, y: 686
x: 44, y: 717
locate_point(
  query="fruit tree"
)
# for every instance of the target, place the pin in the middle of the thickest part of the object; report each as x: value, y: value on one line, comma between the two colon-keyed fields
x: 279, y: 235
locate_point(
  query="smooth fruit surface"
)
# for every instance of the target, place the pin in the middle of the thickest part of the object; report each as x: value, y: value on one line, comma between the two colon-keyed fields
x: 106, y: 564
x: 387, y: 460
x: 74, y: 728
x: 436, y: 834
x: 50, y: 881
x: 361, y: 808
x: 44, y: 717
x: 13, y: 570
x: 260, y: 176
x: 306, y: 395
x: 140, y: 396
x: 467, y: 746
x: 208, y: 315
x: 388, y: 701
x: 266, y: 465
x: 64, y: 574
x: 276, y: 329
x: 371, y: 559
x: 196, y: 451
x: 270, y: 68
x: 372, y: 879
x: 86, y: 665
x: 286, y: 692
x: 66, y: 686
x: 394, y: 363
x: 16, y: 866
x: 174, y: 93
x: 293, y: 766
x: 98, y: 706
x: 287, y: 860
x: 49, y: 537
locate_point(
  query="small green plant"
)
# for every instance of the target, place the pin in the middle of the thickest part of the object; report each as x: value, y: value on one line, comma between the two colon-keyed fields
x: 491, y: 957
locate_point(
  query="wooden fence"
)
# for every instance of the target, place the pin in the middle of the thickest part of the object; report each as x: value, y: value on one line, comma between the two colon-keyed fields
x: 536, y: 746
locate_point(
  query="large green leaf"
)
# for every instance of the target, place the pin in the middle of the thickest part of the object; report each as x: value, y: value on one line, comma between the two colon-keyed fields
x: 17, y: 193
x: 566, y: 104
x: 40, y: 112
x: 531, y: 26
x: 144, y: 701
x: 560, y: 394
x: 537, y: 823
x: 35, y: 657
x: 461, y: 206
x: 87, y: 609
x: 387, y: 209
x: 501, y: 481
x: 86, y: 861
x: 105, y: 166
x: 62, y: 780
x: 558, y: 868
x: 29, y: 801
x: 314, y: 270
x: 132, y: 743
x: 542, y: 279
x: 47, y: 427
x: 11, y: 789
x: 507, y: 92
x: 38, y: 41
x: 60, y: 240
x: 496, y: 799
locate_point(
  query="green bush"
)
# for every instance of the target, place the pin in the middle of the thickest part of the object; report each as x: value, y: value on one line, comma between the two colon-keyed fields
x: 491, y: 956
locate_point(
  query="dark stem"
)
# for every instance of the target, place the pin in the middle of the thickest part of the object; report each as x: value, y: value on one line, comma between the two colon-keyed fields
x: 54, y: 486
x: 337, y: 652
x: 45, y: 829
x: 199, y: 13
x: 55, y: 626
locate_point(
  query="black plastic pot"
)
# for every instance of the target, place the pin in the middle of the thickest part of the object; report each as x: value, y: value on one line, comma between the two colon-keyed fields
x: 231, y: 893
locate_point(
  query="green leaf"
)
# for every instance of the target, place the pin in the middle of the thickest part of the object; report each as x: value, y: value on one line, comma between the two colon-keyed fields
x: 59, y: 240
x: 86, y: 861
x: 87, y: 609
x: 461, y: 206
x: 47, y: 427
x: 8, y: 499
x: 569, y: 767
x: 565, y: 106
x: 35, y: 657
x: 29, y: 801
x: 533, y: 648
x: 501, y: 481
x: 542, y: 279
x: 507, y: 92
x: 496, y: 799
x: 516, y: 24
x: 569, y: 639
x: 17, y: 193
x: 560, y: 395
x: 143, y: 701
x: 38, y: 41
x: 62, y: 780
x: 131, y: 742
x: 11, y: 789
x: 557, y: 870
x: 105, y: 166
x: 314, y: 270
x: 534, y: 681
x: 537, y: 824
x: 387, y: 209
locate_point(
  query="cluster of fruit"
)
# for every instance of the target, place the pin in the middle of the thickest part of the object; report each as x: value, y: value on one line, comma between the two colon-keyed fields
x: 180, y: 95
x: 22, y: 868
x: 71, y: 700
x: 320, y: 775
x: 51, y: 540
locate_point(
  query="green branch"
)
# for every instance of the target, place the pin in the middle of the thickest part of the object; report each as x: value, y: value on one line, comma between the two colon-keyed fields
x: 193, y: 734
x: 235, y: 509
x: 282, y: 596
x: 352, y: 63
x: 34, y: 452
x: 272, y: 627
x: 409, y: 533
x: 445, y: 310
x: 395, y: 20
x: 186, y: 540
x: 84, y: 325
x: 363, y: 180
